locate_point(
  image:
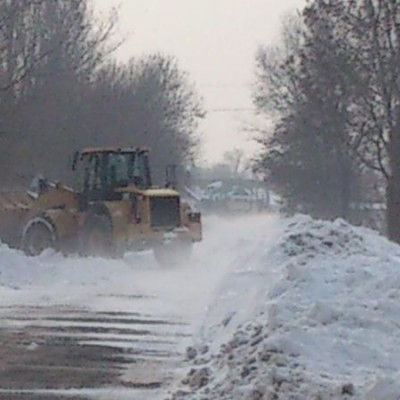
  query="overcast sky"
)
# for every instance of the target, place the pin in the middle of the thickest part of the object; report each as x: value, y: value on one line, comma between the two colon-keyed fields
x: 215, y: 42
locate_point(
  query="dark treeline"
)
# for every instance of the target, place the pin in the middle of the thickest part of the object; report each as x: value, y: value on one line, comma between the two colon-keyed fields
x: 332, y: 91
x: 60, y: 92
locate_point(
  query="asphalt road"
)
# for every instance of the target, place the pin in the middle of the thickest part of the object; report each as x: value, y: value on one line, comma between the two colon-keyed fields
x: 62, y: 353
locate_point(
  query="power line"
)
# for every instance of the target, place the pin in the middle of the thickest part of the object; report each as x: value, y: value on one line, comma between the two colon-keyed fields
x: 238, y: 109
x: 224, y: 85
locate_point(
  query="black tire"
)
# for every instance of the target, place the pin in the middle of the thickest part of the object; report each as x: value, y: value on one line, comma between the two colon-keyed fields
x: 173, y: 254
x: 96, y: 238
x: 38, y: 235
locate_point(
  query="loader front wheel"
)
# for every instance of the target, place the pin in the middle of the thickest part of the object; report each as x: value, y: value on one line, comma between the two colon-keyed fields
x: 173, y: 254
x: 39, y: 235
x: 96, y: 238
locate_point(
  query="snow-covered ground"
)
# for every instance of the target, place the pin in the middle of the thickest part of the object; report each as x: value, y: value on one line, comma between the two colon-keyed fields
x: 277, y: 309
x: 183, y: 290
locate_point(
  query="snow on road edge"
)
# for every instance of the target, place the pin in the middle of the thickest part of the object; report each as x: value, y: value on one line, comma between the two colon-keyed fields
x: 312, y: 312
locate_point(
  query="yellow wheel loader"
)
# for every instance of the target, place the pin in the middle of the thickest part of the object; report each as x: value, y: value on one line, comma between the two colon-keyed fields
x: 115, y: 210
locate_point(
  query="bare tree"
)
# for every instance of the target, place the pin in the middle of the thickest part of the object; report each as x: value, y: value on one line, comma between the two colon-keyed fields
x: 51, y: 50
x: 71, y: 98
x: 276, y: 89
x: 234, y: 159
x: 302, y: 86
x: 369, y: 30
x: 33, y: 31
x: 154, y: 104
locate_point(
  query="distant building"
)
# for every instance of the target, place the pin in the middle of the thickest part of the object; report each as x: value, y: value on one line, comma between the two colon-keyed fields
x: 232, y: 195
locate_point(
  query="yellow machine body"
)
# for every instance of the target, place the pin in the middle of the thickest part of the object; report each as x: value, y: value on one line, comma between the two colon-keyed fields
x: 137, y: 218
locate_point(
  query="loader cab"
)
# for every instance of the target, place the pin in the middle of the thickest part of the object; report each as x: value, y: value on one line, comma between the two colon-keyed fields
x: 101, y: 171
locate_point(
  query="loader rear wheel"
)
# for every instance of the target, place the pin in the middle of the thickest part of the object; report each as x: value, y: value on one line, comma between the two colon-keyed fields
x: 96, y: 237
x: 39, y: 235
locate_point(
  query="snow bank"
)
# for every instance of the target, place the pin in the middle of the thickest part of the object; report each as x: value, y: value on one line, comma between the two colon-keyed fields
x: 14, y: 270
x: 53, y: 278
x: 313, y: 313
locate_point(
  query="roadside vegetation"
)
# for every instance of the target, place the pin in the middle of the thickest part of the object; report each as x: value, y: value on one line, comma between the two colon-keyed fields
x: 332, y: 91
x: 60, y: 90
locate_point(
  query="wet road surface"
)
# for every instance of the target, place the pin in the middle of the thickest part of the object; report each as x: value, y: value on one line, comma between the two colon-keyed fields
x: 59, y: 352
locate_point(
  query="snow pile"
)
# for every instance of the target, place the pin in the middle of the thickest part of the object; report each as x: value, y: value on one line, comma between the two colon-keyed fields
x: 53, y: 278
x: 313, y: 314
x: 14, y: 269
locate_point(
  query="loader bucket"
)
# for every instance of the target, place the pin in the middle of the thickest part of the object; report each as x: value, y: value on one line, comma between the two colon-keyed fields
x: 14, y: 207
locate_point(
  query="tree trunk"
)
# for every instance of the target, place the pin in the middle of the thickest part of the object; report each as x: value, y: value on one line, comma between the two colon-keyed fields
x: 393, y: 208
x: 346, y: 174
x: 393, y: 191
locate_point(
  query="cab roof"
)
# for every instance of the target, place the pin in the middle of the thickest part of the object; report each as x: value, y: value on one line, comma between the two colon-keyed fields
x: 90, y: 150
